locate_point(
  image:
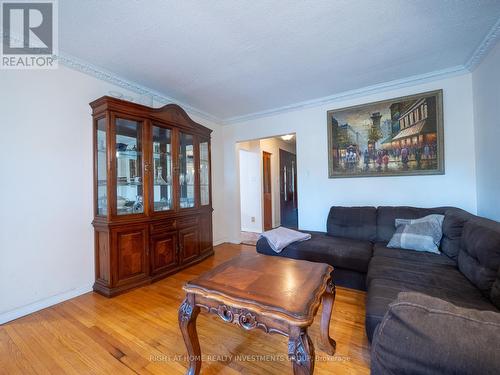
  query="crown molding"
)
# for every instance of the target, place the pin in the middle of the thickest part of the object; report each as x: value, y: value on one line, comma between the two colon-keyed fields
x: 373, y: 89
x: 486, y: 45
x: 102, y: 74
x: 105, y: 75
x: 479, y: 53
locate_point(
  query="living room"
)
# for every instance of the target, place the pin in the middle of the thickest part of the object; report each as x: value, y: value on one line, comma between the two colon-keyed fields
x: 125, y: 195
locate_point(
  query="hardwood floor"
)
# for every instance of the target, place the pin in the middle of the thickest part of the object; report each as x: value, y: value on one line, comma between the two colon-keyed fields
x: 137, y: 332
x: 249, y: 238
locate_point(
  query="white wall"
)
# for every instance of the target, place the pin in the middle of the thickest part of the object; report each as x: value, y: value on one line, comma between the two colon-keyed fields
x: 486, y: 89
x: 46, y: 237
x: 250, y: 191
x: 316, y: 192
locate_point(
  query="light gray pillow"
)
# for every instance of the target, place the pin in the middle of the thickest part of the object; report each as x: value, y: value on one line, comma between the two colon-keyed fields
x: 422, y: 234
x: 433, y: 218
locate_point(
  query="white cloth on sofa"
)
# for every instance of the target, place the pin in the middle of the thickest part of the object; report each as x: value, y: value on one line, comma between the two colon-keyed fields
x: 281, y: 237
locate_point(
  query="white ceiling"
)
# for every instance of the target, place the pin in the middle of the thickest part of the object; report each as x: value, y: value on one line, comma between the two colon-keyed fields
x: 232, y: 57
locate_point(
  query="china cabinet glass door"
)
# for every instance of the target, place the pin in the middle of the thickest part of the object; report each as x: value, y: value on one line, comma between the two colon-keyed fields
x: 186, y: 171
x: 101, y: 168
x: 162, y: 168
x: 204, y: 173
x: 129, y: 175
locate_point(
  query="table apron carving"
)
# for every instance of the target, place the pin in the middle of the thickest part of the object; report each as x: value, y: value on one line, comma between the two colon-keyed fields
x: 242, y: 317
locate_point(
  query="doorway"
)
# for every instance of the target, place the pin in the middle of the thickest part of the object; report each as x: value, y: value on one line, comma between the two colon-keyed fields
x: 268, y: 198
x: 288, y: 190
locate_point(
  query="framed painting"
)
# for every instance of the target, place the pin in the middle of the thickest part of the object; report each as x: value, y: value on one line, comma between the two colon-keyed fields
x: 396, y: 137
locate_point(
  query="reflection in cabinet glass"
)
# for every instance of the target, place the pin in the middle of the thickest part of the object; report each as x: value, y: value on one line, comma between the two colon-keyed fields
x: 204, y: 174
x: 153, y: 214
x: 186, y: 170
x: 129, y: 188
x: 162, y: 168
x: 102, y: 185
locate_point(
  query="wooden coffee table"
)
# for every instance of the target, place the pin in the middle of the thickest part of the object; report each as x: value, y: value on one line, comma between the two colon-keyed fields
x: 277, y: 295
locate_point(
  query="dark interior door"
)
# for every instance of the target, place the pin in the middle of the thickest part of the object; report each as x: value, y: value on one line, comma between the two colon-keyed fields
x: 268, y: 203
x: 288, y: 189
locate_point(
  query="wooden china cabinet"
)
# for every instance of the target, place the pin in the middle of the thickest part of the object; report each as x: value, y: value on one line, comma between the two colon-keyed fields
x: 152, y: 192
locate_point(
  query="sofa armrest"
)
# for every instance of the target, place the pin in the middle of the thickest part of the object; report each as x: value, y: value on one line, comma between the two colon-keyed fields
x: 426, y: 335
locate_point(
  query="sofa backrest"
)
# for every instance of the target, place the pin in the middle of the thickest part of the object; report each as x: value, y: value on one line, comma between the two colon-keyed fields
x: 359, y: 223
x: 479, y: 256
x: 453, y: 226
x: 387, y: 215
x: 472, y: 241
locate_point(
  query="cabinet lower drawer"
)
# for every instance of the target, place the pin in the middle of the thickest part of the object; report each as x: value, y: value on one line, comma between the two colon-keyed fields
x: 173, y: 224
x: 186, y: 222
x: 163, y: 226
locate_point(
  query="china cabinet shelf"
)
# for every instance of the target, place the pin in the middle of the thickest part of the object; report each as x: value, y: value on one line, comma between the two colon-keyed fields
x: 153, y: 208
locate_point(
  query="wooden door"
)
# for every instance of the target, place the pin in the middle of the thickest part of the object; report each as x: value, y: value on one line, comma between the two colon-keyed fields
x: 164, y: 254
x: 288, y: 189
x: 267, y: 196
x: 189, y: 242
x: 131, y: 245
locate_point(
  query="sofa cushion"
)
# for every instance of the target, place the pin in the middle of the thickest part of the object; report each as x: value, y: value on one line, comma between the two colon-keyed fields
x: 358, y: 223
x: 386, y: 217
x: 453, y: 225
x: 430, y: 275
x: 495, y: 291
x: 382, y: 292
x: 380, y: 249
x: 339, y: 252
x: 426, y: 335
x: 479, y: 256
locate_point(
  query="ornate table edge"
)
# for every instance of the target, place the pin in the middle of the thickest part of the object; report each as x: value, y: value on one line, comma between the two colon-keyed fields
x: 240, y: 316
x: 327, y: 285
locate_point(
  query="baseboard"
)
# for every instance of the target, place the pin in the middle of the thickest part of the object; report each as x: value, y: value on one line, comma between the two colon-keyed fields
x: 42, y: 304
x: 47, y: 302
x: 220, y: 241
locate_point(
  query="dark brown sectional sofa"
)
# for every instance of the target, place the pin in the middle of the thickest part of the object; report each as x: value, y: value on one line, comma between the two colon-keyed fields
x: 465, y: 274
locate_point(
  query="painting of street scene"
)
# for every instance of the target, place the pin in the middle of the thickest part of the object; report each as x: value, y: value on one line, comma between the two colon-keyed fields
x: 396, y: 137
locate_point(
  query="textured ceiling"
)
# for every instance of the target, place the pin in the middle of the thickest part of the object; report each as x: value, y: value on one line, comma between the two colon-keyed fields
x: 231, y: 58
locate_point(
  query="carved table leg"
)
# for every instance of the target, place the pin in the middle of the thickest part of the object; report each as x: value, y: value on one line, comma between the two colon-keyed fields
x: 301, y: 352
x: 188, y: 313
x: 327, y: 344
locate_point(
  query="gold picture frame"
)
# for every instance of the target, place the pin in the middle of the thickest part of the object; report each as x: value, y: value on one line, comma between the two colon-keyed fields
x: 396, y: 137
